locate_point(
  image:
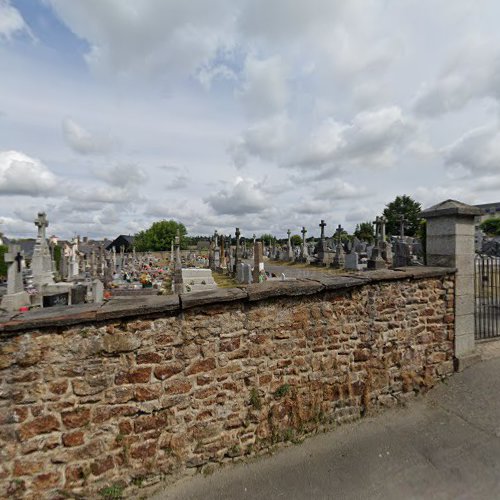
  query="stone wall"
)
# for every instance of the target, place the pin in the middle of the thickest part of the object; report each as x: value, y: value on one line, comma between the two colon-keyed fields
x: 97, y: 397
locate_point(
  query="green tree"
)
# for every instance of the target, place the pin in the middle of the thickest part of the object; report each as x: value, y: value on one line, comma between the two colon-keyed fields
x: 159, y: 236
x: 3, y: 266
x: 267, y: 238
x: 491, y: 226
x: 364, y: 231
x: 296, y: 240
x: 409, y: 208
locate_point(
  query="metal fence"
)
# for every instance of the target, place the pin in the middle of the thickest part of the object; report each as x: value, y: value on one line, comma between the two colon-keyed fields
x: 487, y: 297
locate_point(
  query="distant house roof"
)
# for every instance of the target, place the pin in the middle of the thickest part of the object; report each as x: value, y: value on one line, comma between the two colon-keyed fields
x: 124, y: 240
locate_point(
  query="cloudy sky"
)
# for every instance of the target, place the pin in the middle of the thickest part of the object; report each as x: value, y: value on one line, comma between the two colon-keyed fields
x: 262, y: 114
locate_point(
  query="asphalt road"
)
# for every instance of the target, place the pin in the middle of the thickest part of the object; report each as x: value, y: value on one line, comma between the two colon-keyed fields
x: 446, y: 445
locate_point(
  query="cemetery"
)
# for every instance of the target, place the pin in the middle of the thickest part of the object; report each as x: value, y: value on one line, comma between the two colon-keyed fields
x: 92, y: 272
x: 137, y: 364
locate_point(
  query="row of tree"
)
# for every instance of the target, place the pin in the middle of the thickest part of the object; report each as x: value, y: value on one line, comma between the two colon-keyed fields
x: 160, y: 235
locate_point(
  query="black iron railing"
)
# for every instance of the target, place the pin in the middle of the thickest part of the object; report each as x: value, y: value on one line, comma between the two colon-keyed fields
x: 487, y: 297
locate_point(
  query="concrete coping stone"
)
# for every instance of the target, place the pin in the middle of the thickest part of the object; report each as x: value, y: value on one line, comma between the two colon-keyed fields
x: 450, y: 207
x: 133, y: 306
x: 211, y: 296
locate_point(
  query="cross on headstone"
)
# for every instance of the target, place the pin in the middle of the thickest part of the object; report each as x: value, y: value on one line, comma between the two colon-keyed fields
x: 402, y: 222
x: 304, y: 231
x: 322, y: 226
x: 18, y: 258
x: 339, y: 231
x: 376, y: 223
x: 289, y: 233
x: 41, y: 223
x: 382, y: 222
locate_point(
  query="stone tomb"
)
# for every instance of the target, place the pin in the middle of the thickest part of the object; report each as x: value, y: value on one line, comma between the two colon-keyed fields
x: 196, y: 280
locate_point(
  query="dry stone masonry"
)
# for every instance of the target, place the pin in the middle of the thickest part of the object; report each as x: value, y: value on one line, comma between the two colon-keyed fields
x: 98, y: 396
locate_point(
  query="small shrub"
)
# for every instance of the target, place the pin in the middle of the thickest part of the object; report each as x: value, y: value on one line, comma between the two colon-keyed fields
x: 282, y: 391
x: 112, y: 492
x: 255, y: 399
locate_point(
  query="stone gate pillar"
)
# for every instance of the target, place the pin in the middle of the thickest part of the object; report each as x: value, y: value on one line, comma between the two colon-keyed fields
x: 450, y: 243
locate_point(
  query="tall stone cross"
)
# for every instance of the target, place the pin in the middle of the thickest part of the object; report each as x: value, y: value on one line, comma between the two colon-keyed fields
x: 254, y: 238
x: 216, y: 238
x: 237, y: 252
x: 304, y: 231
x: 376, y: 223
x: 402, y: 222
x: 382, y: 222
x: 339, y: 231
x: 322, y: 226
x: 41, y: 223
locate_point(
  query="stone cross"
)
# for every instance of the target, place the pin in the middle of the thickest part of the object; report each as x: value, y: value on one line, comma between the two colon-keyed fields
x: 376, y: 222
x: 237, y: 253
x: 42, y: 224
x: 216, y: 238
x: 382, y: 222
x: 339, y: 231
x: 254, y: 238
x: 322, y: 226
x: 402, y: 222
x: 304, y: 231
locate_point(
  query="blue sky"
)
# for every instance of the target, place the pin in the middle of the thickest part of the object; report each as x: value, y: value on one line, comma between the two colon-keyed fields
x: 249, y: 113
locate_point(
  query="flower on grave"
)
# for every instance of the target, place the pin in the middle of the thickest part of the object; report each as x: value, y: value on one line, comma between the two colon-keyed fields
x: 145, y: 279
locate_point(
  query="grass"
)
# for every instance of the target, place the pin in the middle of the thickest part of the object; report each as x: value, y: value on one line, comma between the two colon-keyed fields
x: 112, y: 492
x: 224, y: 281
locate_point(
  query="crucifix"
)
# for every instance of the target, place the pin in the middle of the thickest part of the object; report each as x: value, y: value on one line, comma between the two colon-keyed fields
x: 339, y: 231
x: 18, y: 258
x: 376, y: 222
x: 382, y: 222
x: 402, y: 222
x: 304, y: 231
x: 41, y: 223
x: 322, y: 226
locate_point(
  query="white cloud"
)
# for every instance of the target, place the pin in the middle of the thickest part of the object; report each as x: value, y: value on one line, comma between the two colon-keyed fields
x: 473, y: 72
x: 22, y: 175
x: 338, y: 189
x: 476, y: 151
x: 122, y: 175
x: 372, y: 139
x: 265, y: 90
x: 82, y: 141
x: 11, y: 21
x: 153, y: 37
x: 244, y: 197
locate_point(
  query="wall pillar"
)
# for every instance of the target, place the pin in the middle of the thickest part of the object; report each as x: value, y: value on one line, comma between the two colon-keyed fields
x: 450, y: 243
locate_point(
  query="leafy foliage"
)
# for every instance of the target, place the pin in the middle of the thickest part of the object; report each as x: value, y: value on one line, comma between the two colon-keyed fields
x: 267, y: 238
x: 159, y: 236
x: 409, y: 208
x: 296, y: 240
x: 491, y: 226
x: 365, y: 232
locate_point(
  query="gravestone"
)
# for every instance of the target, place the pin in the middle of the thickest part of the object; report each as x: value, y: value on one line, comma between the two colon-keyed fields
x: 258, y: 263
x: 352, y: 262
x: 304, y: 253
x: 78, y: 294
x: 402, y: 254
x: 41, y: 262
x: 376, y: 261
x: 339, y: 259
x: 55, y: 299
x: 16, y: 297
x: 247, y: 274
